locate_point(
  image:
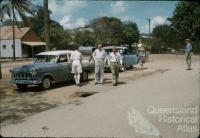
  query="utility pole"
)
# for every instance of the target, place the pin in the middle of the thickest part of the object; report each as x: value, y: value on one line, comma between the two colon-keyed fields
x: 149, y: 20
x: 13, y: 25
x: 0, y: 53
x: 46, y: 24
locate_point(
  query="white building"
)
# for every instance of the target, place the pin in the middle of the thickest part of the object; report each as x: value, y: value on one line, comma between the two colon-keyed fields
x: 27, y: 43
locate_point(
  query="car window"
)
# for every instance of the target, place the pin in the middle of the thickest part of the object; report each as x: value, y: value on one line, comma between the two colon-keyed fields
x: 44, y: 58
x: 62, y: 58
x: 129, y: 52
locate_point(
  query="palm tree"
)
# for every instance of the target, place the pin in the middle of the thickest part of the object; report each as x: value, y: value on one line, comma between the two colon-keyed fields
x: 12, y: 8
x: 46, y: 24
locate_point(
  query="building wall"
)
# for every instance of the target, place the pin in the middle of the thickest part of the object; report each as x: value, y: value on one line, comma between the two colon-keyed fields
x: 7, y: 50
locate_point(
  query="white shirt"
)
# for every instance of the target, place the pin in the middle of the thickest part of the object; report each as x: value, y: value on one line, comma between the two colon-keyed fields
x: 76, y: 55
x: 115, y: 57
x: 97, y: 54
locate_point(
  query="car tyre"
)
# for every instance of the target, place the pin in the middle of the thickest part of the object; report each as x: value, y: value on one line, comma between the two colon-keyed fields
x: 22, y: 86
x: 84, y: 76
x: 131, y: 66
x: 46, y: 83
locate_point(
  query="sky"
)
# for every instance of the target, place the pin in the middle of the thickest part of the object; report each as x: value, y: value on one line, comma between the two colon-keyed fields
x: 73, y: 13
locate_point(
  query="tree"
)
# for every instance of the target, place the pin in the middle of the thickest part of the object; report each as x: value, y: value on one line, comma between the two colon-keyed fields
x: 16, y: 7
x: 166, y: 34
x: 59, y: 37
x: 46, y: 24
x: 108, y: 30
x: 84, y: 38
x: 131, y: 32
x: 186, y: 21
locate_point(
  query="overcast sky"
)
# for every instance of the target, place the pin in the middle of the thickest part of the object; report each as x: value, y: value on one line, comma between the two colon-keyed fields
x: 71, y: 13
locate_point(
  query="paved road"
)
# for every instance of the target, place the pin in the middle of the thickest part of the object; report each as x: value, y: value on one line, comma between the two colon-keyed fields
x: 164, y: 104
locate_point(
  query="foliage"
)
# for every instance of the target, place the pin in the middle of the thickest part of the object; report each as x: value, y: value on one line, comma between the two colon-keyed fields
x: 108, y: 30
x: 21, y: 8
x: 186, y: 21
x: 58, y: 36
x: 85, y: 37
x: 167, y: 36
x: 131, y: 33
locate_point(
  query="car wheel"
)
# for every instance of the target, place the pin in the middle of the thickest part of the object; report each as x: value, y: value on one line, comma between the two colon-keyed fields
x: 131, y: 66
x: 84, y: 76
x: 46, y: 83
x: 22, y: 86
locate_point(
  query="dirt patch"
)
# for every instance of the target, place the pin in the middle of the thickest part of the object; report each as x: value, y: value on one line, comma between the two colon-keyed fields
x: 83, y: 94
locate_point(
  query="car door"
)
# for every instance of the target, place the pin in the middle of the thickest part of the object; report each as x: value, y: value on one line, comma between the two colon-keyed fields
x: 130, y: 57
x: 64, y: 67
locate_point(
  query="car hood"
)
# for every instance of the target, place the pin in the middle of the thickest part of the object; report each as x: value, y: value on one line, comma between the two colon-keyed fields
x: 33, y: 67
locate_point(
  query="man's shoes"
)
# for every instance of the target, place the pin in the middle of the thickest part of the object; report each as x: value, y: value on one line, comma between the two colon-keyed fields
x: 80, y: 85
x: 188, y: 69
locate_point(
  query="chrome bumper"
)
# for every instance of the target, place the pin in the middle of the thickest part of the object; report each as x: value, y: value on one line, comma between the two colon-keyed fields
x: 31, y: 82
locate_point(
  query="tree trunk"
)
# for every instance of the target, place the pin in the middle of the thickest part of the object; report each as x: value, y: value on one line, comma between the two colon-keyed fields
x: 13, y: 25
x: 0, y: 71
x: 46, y: 24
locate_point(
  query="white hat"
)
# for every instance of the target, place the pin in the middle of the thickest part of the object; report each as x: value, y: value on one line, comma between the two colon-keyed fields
x: 140, y: 45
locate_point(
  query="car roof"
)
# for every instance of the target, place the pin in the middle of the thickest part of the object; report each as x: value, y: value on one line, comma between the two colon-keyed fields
x: 111, y: 47
x: 56, y: 53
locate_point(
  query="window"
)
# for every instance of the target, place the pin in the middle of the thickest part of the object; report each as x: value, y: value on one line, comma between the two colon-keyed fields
x: 4, y: 46
x: 62, y: 58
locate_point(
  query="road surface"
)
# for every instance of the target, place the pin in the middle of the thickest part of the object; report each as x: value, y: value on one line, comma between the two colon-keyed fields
x: 163, y: 104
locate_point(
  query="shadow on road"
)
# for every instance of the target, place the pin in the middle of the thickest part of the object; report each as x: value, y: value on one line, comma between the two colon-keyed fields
x: 54, y: 86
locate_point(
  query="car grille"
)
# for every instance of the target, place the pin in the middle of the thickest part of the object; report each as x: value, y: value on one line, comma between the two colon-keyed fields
x: 23, y: 76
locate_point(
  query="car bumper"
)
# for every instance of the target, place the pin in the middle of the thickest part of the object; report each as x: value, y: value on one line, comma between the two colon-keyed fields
x: 30, y: 82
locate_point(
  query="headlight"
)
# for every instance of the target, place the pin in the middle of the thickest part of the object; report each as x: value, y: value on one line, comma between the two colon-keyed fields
x: 33, y: 72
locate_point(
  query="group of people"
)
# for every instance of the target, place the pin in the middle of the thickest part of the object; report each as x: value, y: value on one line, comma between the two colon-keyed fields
x: 115, y: 59
x: 98, y: 56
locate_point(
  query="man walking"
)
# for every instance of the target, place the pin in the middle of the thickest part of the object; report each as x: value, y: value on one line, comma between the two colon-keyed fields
x: 115, y: 60
x: 76, y: 59
x: 188, y: 54
x: 99, y: 56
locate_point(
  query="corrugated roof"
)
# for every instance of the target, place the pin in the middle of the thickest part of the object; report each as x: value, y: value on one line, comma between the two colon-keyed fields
x: 7, y: 32
x: 34, y: 43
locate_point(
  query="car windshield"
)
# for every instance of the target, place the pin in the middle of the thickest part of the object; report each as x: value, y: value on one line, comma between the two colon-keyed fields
x: 45, y: 58
x: 110, y: 50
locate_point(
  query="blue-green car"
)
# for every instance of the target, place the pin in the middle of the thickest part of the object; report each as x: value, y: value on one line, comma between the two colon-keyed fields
x: 48, y: 68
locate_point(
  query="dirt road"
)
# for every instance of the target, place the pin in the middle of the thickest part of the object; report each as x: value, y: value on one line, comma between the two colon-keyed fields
x: 142, y: 86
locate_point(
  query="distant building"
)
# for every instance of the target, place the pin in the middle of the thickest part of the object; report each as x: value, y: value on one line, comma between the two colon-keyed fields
x: 86, y: 50
x: 145, y: 37
x: 27, y: 43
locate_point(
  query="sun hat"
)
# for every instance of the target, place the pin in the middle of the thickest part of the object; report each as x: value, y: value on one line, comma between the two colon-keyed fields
x: 187, y: 39
x: 140, y: 45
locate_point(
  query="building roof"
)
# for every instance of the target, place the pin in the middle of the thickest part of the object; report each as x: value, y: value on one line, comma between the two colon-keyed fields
x: 6, y: 32
x: 34, y: 43
x: 56, y: 53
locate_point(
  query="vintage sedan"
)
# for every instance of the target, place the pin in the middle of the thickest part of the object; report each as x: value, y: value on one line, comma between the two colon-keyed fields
x: 129, y: 57
x: 47, y: 68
